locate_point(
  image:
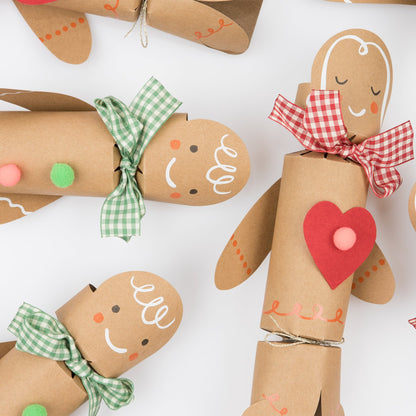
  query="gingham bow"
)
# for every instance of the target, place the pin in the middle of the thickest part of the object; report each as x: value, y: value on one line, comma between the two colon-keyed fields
x: 39, y: 334
x: 320, y: 128
x: 132, y: 128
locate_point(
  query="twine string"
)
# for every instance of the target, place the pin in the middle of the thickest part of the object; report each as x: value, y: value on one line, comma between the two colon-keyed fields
x: 142, y: 19
x: 296, y: 339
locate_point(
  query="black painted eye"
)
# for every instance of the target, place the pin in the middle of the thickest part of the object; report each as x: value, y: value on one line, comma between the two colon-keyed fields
x: 116, y: 309
x: 375, y: 93
x: 193, y: 148
x: 145, y: 342
x: 193, y: 191
x: 340, y: 82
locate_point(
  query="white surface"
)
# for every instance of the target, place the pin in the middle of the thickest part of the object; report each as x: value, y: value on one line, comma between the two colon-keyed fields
x: 207, y: 368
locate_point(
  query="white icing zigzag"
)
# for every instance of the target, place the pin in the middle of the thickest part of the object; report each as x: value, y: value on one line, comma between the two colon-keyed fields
x: 12, y: 205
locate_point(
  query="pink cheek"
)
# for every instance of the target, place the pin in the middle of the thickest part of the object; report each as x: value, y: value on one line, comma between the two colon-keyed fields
x: 133, y: 356
x: 175, y: 195
x: 374, y: 107
x: 98, y: 317
x: 175, y: 144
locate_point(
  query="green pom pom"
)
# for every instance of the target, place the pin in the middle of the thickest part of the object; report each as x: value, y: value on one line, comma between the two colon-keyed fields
x: 62, y: 175
x: 35, y: 410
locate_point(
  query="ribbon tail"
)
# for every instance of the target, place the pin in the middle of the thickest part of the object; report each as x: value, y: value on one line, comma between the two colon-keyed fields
x: 94, y: 399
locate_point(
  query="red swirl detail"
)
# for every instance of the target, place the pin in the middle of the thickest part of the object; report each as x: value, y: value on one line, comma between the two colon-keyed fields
x: 297, y: 311
x: 212, y: 31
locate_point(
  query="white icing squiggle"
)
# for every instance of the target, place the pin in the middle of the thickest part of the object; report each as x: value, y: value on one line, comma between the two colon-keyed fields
x: 225, y: 179
x: 13, y: 205
x: 160, y: 313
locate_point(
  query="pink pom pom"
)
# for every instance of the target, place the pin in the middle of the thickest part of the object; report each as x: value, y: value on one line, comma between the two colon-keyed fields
x: 10, y: 175
x: 345, y: 238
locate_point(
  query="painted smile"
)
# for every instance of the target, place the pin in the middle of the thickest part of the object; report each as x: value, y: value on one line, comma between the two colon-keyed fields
x: 360, y: 114
x: 168, y: 178
x: 111, y: 345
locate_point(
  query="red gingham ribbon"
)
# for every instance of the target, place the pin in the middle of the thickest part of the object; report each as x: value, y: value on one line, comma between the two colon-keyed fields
x: 321, y: 128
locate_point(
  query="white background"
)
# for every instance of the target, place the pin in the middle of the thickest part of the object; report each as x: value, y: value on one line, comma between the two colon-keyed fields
x: 207, y: 367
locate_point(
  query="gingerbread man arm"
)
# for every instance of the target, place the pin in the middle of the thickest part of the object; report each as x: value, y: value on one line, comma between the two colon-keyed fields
x: 64, y: 32
x: 374, y: 280
x: 250, y: 243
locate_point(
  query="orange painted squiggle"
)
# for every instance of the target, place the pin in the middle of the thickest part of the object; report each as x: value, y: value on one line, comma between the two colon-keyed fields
x: 112, y: 8
x: 297, y: 309
x: 272, y: 399
x: 212, y: 31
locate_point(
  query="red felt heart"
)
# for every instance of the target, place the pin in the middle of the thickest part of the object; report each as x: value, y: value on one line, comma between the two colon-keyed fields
x: 338, y: 258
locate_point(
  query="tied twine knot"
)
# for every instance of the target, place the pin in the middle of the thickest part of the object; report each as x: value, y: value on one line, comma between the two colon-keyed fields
x: 42, y: 335
x: 320, y: 128
x: 296, y: 339
x: 132, y: 127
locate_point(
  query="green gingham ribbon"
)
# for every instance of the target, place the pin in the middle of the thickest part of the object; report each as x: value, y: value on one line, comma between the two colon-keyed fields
x: 39, y: 334
x: 132, y: 128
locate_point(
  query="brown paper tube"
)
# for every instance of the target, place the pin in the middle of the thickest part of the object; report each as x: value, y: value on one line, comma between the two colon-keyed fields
x: 297, y: 295
x: 27, y: 379
x: 197, y: 162
x: 226, y: 26
x: 118, y: 9
x: 36, y: 141
x: 298, y: 378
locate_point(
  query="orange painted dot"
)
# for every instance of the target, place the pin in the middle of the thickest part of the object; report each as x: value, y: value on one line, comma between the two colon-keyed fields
x: 65, y: 28
x: 73, y: 24
x: 382, y: 262
x: 353, y: 286
x: 133, y: 356
x: 42, y: 40
x: 361, y: 279
x: 81, y: 20
x: 367, y: 274
x: 58, y: 32
x: 235, y: 243
x: 245, y: 265
x: 248, y: 271
x: 241, y: 257
x: 232, y: 237
x: 374, y: 107
x: 175, y: 144
x: 374, y: 268
x: 98, y: 317
x: 238, y: 251
x: 48, y: 36
x: 175, y: 195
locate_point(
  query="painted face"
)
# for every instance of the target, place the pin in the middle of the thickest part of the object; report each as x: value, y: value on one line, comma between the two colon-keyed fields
x: 357, y: 64
x: 198, y: 162
x: 128, y: 318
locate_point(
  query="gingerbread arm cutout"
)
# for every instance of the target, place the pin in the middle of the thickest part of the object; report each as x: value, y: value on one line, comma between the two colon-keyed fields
x: 43, y: 101
x: 65, y: 33
x: 374, y: 281
x: 250, y: 243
